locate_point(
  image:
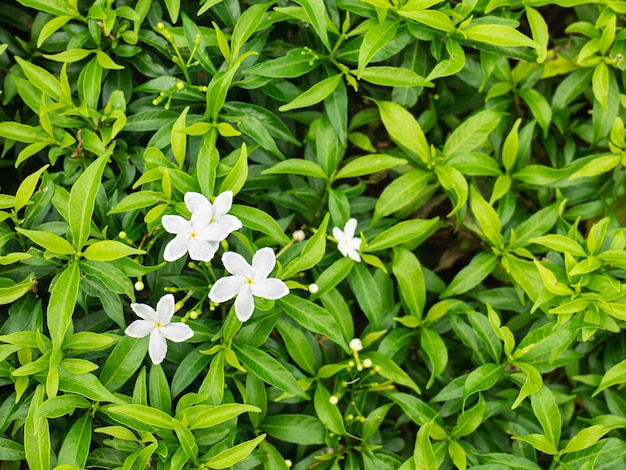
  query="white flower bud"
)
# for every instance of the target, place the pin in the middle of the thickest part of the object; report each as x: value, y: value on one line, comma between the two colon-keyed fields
x: 333, y: 399
x: 356, y: 345
x: 314, y: 288
x: 139, y: 286
x: 288, y: 463
x: 367, y: 363
x: 298, y: 235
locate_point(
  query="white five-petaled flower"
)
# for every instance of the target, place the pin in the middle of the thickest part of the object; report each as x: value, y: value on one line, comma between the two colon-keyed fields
x: 158, y: 325
x: 248, y: 281
x: 201, y: 235
x: 347, y: 243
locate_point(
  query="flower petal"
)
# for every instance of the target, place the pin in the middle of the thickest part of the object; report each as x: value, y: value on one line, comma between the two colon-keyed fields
x: 226, y: 288
x: 144, y: 311
x: 196, y: 202
x: 176, y: 249
x: 350, y: 228
x: 338, y: 234
x: 177, y: 332
x: 165, y: 309
x: 222, y: 204
x: 244, y: 304
x: 343, y: 248
x: 139, y: 328
x: 263, y: 262
x: 270, y: 289
x: 354, y: 254
x: 215, y: 231
x: 157, y: 349
x: 175, y: 224
x: 236, y: 264
x: 202, y: 250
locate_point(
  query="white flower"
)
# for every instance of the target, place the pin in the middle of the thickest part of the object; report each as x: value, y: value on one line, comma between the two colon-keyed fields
x: 356, y: 345
x: 201, y: 235
x: 248, y: 281
x: 157, y: 325
x: 347, y: 243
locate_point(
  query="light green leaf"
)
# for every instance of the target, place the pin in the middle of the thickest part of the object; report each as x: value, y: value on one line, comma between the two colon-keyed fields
x: 109, y: 250
x: 374, y: 40
x: 471, y: 133
x: 49, y: 241
x: 547, y: 413
x: 318, y: 92
x: 296, y: 166
x: 499, y: 35
x: 404, y: 130
x: 436, y: 352
x: 414, y: 231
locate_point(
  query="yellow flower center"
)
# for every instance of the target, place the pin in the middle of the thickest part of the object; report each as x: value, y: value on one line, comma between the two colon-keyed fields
x: 249, y: 281
x: 193, y: 234
x: 157, y: 325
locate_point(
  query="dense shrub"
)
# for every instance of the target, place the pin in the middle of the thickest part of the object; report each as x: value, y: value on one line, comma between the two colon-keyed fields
x: 431, y: 195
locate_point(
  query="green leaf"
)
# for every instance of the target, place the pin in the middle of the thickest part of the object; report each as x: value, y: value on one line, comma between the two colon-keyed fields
x: 368, y: 165
x: 83, y: 199
x: 498, y: 35
x: 560, y: 243
x: 144, y: 414
x: 487, y: 218
x: 179, y: 138
x: 56, y: 407
x: 405, y: 131
x: 333, y: 275
x: 109, y: 250
x: 63, y: 296
x: 23, y: 133
x: 246, y: 25
x: 482, y: 378
x: 470, y: 419
x: 539, y: 442
x: 547, y: 413
x: 296, y: 166
x: 532, y: 383
x: 511, y: 146
x: 27, y: 188
x: 453, y: 181
x: 367, y: 294
x: 392, y: 371
x: 106, y: 62
x: 316, y: 12
x: 600, y: 84
x: 229, y: 457
x: 415, y: 231
x: 587, y: 437
x: 393, y: 76
x: 173, y: 8
x: 312, y: 317
x: 41, y: 78
x: 615, y: 375
x: 394, y: 196
x: 37, y: 444
x: 295, y: 63
x: 217, y: 90
x: 540, y: 32
x: 436, y: 352
x: 471, y: 133
x: 236, y: 178
x: 328, y: 413
x: 424, y: 454
x: 256, y: 219
x: 451, y: 66
x: 208, y: 416
x: 434, y: 18
x: 11, y: 450
x: 159, y: 390
x: 318, y: 92
x: 600, y: 164
x: 374, y: 40
x: 539, y: 106
x: 311, y: 254
x: 125, y: 359
x: 408, y: 272
x: 138, y: 200
x: 49, y: 241
x: 268, y: 369
x: 297, y: 346
x: 471, y: 275
x: 311, y: 431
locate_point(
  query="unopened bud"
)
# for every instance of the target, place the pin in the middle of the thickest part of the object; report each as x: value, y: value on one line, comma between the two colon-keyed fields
x: 288, y: 463
x: 367, y: 363
x: 193, y: 314
x: 122, y: 235
x: 298, y: 235
x: 180, y: 304
x: 160, y: 26
x: 139, y: 286
x: 356, y: 345
x: 333, y: 399
x: 180, y: 85
x: 314, y: 288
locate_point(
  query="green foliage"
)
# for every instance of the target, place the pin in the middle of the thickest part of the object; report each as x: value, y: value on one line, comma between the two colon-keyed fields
x: 442, y: 185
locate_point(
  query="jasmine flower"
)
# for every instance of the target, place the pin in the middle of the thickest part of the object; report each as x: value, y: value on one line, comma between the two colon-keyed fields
x: 347, y: 243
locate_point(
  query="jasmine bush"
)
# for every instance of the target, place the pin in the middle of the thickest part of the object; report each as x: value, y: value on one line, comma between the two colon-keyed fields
x: 416, y: 205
